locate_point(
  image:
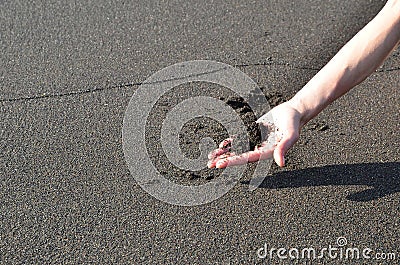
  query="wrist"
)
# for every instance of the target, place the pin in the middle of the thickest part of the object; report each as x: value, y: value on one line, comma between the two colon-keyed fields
x: 301, y: 108
x: 318, y: 93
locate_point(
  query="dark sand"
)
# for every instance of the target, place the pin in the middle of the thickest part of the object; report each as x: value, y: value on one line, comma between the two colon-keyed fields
x: 67, y: 74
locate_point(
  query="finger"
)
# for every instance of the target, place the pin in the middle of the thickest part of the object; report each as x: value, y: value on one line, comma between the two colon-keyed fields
x: 217, y: 152
x: 251, y: 156
x: 227, y: 143
x: 212, y: 162
x: 224, y: 147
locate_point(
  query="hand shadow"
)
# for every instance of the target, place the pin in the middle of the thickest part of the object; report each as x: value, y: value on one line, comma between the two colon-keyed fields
x: 383, y: 178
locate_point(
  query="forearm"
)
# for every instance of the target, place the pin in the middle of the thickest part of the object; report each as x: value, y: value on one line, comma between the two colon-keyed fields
x: 362, y: 55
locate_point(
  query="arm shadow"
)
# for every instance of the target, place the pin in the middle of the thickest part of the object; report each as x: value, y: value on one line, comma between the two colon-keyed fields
x: 382, y: 178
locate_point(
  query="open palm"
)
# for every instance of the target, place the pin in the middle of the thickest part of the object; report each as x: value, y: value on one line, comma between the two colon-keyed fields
x: 287, y: 122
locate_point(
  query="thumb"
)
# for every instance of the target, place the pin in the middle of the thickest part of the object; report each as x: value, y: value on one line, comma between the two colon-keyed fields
x: 280, y: 150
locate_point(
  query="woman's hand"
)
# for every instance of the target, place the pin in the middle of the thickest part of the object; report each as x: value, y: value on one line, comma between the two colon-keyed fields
x: 287, y: 122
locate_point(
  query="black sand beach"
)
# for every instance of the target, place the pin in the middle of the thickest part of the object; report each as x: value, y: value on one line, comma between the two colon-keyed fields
x: 67, y: 74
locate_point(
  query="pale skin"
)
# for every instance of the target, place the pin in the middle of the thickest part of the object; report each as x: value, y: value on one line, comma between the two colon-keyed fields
x: 359, y: 58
